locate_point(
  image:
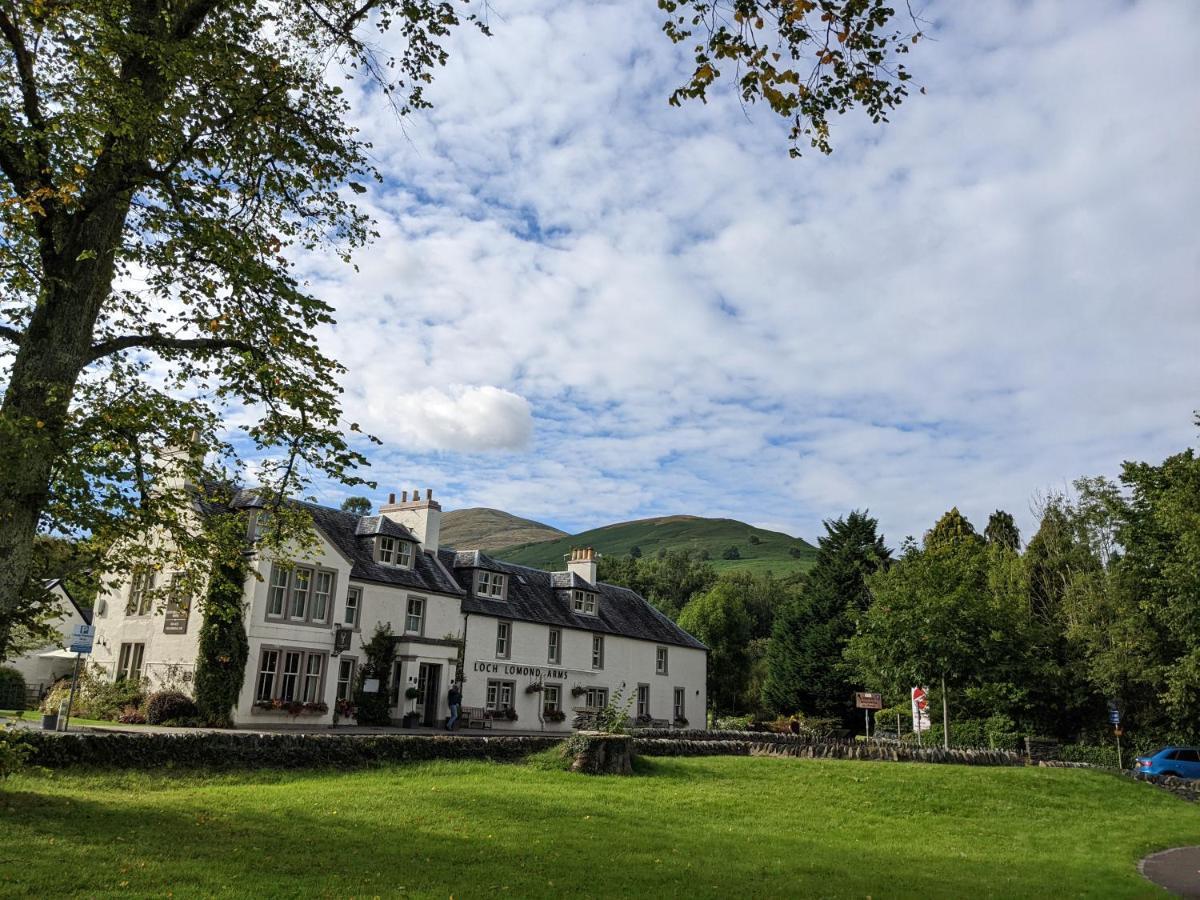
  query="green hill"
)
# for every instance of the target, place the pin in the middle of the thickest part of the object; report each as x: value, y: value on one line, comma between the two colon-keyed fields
x: 491, y: 529
x: 759, y: 550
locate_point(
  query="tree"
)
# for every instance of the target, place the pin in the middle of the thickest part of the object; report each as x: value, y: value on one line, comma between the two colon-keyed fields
x: 1002, y: 531
x: 929, y: 620
x: 720, y: 619
x: 731, y: 553
x: 669, y: 581
x: 359, y: 506
x: 164, y: 160
x: 804, y: 670
x: 635, y: 552
x: 223, y: 647
x: 380, y: 651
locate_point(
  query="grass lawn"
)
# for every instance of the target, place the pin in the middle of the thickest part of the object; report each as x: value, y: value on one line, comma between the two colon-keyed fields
x: 719, y: 827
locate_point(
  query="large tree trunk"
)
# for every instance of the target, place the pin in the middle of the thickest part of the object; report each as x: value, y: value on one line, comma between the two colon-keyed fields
x: 54, y: 351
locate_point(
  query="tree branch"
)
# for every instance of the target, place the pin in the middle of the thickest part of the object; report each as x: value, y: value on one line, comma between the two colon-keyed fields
x: 162, y: 342
x: 11, y: 334
x: 29, y: 92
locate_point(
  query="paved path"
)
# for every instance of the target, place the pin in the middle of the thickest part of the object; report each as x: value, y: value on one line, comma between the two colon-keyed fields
x: 1177, y: 870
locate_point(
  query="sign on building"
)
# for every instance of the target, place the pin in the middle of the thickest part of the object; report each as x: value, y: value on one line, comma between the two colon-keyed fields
x: 868, y: 701
x: 81, y: 638
x: 175, y: 615
x: 920, y: 709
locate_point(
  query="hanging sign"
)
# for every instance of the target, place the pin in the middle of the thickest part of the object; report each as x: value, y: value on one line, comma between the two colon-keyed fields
x: 81, y: 638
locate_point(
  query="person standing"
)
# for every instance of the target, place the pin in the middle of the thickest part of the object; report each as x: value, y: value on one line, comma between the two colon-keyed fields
x: 455, y: 705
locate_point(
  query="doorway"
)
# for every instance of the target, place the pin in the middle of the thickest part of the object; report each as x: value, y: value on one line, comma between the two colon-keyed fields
x: 428, y: 686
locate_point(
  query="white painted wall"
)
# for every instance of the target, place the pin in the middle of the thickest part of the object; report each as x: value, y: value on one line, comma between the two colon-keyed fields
x: 39, y: 672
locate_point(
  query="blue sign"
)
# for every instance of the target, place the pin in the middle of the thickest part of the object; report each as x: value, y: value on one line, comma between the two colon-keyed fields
x: 81, y: 638
x: 1114, y: 716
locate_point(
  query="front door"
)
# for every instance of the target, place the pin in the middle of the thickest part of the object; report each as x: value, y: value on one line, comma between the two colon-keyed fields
x: 428, y: 676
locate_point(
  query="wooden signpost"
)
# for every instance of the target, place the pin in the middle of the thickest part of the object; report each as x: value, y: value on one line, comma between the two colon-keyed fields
x: 867, y: 702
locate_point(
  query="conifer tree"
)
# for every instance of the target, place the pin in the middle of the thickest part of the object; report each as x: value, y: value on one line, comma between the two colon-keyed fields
x: 804, y: 668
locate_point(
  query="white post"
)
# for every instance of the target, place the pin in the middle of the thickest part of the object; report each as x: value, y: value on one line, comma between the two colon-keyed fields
x: 945, y: 718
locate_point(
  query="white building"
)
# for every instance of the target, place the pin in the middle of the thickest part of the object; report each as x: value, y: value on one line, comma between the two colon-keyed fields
x: 534, y: 650
x: 45, y: 665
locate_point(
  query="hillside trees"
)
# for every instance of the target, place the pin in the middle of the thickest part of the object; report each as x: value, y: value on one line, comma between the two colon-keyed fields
x: 804, y: 660
x: 719, y: 617
x: 165, y: 161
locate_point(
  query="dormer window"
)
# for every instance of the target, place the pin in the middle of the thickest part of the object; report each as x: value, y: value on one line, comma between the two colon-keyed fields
x: 584, y: 602
x: 489, y: 584
x: 394, y: 552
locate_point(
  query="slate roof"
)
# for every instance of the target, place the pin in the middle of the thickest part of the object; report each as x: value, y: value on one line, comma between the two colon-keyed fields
x: 534, y: 596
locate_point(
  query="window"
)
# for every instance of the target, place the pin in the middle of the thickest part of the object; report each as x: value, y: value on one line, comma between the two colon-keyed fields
x: 643, y: 700
x: 277, y: 595
x: 345, y: 681
x: 500, y: 695
x: 597, y: 651
x: 1186, y: 755
x: 292, y: 675
x: 503, y: 639
x: 415, y: 620
x: 550, y: 698
x: 554, y: 651
x: 596, y: 698
x: 140, y: 587
x: 303, y: 595
x: 678, y: 704
x: 395, y: 552
x: 584, y: 602
x: 267, y: 669
x: 312, y: 678
x: 301, y: 584
x: 289, y: 683
x: 660, y: 660
x: 353, y: 605
x: 489, y: 584
x: 129, y: 662
x: 387, y: 550
x: 322, y: 597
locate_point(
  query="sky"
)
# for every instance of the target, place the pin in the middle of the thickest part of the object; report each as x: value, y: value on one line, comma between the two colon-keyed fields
x: 586, y: 306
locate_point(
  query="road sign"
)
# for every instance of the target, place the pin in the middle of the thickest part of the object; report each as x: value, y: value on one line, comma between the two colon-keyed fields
x: 1114, y: 716
x: 920, y: 707
x: 868, y: 701
x: 81, y: 638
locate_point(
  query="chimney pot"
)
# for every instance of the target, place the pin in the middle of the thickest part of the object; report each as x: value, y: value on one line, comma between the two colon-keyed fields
x: 392, y: 499
x: 428, y: 493
x: 403, y: 496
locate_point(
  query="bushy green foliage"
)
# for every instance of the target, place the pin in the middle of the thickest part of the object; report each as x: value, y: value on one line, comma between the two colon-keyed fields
x: 614, y: 717
x: 722, y: 621
x: 12, y: 688
x: 669, y: 580
x: 165, y: 707
x: 224, y: 647
x: 14, y: 751
x: 96, y: 697
x: 372, y: 708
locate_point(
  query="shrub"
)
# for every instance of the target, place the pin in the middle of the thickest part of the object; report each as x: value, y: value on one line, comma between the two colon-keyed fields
x: 132, y: 715
x: 731, y: 553
x: 105, y: 699
x: 12, y: 688
x: 166, y: 706
x: 733, y: 723
x: 372, y: 708
x: 223, y: 649
x: 14, y: 751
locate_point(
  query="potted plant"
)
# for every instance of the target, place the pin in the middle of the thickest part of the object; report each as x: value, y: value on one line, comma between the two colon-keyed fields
x: 510, y: 714
x: 681, y: 722
x: 555, y: 715
x: 411, y: 717
x: 578, y: 691
x: 535, y: 688
x: 343, y: 709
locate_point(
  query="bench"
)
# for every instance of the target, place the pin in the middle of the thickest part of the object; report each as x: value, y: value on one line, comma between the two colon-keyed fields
x: 476, y: 717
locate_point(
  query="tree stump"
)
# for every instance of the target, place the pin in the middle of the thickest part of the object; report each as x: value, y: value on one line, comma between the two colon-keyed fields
x: 601, y: 754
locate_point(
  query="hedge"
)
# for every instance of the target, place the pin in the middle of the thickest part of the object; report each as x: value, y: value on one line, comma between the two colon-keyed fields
x: 232, y: 750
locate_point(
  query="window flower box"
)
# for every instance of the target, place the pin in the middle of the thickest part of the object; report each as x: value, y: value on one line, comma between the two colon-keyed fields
x: 292, y: 707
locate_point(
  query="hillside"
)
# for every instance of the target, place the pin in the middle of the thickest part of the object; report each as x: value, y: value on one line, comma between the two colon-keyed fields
x: 491, y: 529
x: 772, y: 552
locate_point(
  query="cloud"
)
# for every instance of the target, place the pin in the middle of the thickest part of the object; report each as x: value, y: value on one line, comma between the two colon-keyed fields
x: 641, y: 310
x: 465, y: 419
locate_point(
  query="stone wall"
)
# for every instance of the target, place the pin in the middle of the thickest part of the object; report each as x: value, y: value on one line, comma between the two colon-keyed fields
x: 824, y: 750
x: 594, y: 753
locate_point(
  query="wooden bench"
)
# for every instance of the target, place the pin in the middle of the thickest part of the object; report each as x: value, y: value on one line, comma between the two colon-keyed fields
x: 476, y: 717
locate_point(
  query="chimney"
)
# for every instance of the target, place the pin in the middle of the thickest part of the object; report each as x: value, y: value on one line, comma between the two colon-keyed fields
x: 583, y: 563
x: 422, y: 517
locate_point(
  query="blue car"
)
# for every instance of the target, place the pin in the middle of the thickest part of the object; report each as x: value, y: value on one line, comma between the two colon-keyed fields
x: 1182, y: 762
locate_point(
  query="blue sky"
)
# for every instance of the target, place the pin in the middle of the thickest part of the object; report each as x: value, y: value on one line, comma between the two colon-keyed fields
x: 585, y: 306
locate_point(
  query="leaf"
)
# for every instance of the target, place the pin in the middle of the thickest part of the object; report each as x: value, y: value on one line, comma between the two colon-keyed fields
x: 357, y: 188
